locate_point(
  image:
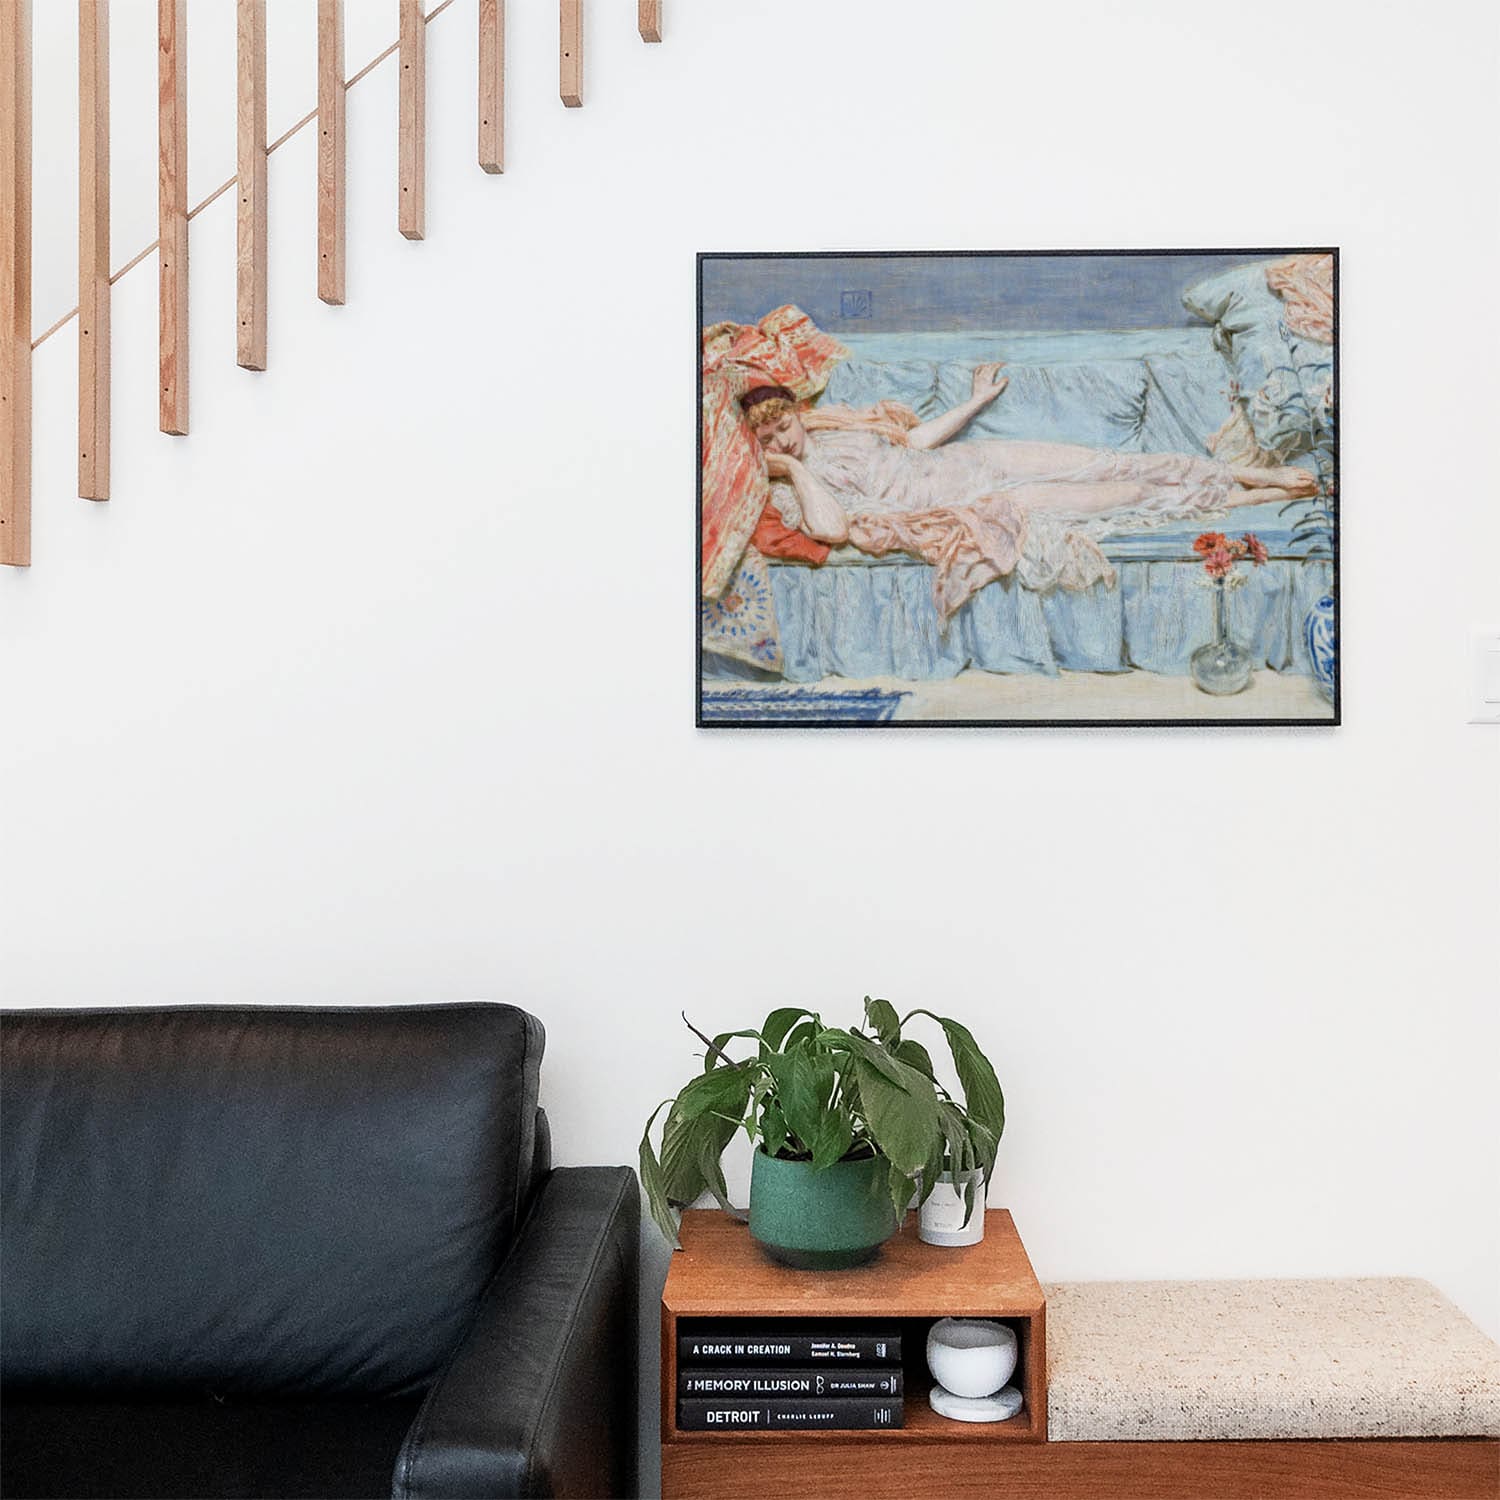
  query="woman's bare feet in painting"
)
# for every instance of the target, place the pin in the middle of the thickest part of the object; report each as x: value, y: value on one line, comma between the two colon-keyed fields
x: 1297, y: 481
x: 1262, y: 494
x: 1289, y: 482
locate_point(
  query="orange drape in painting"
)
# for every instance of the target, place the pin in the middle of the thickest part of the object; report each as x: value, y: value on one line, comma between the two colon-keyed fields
x: 785, y: 348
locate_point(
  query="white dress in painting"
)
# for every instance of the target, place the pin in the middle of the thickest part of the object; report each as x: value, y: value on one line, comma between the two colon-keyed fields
x: 868, y: 475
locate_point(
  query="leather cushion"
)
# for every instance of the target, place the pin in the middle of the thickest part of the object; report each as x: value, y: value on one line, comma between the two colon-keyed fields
x: 202, y: 1448
x: 256, y: 1200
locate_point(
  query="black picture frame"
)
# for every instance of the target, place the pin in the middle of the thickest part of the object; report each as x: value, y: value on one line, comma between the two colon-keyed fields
x: 1251, y: 253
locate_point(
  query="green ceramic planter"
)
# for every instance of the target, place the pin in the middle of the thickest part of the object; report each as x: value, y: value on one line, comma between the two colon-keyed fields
x: 821, y: 1221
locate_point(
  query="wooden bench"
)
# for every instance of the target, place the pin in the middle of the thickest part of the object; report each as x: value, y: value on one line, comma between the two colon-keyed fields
x: 1227, y: 1390
x: 1265, y: 1388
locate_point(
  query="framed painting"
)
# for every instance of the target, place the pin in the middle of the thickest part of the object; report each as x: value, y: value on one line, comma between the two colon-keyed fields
x: 1018, y: 488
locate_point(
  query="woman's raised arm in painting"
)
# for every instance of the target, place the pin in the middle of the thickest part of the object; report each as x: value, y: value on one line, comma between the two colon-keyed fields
x: 988, y: 383
x: 823, y: 517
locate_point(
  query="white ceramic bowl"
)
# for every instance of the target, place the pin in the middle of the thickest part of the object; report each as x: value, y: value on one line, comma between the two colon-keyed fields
x: 971, y: 1356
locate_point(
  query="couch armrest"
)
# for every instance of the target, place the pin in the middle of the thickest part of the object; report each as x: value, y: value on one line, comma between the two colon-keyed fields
x: 540, y: 1398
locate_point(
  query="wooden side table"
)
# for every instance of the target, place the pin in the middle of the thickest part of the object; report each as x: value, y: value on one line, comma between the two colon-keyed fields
x: 721, y: 1273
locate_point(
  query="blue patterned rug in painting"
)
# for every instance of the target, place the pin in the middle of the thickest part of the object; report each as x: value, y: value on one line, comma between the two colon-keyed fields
x: 750, y: 705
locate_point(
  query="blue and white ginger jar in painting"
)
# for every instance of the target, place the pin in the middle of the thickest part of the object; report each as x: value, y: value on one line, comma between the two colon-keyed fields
x: 1322, y: 648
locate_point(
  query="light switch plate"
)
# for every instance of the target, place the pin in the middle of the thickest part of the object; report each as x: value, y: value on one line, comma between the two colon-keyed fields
x: 1484, y: 650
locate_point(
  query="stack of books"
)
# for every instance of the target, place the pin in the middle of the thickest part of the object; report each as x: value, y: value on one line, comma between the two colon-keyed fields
x: 823, y: 1377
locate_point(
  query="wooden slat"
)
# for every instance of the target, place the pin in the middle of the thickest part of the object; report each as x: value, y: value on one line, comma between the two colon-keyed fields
x: 412, y: 49
x: 570, y: 52
x: 250, y: 157
x: 649, y: 20
x: 93, y: 249
x: 15, y: 282
x: 172, y: 212
x: 331, y: 151
x: 900, y: 1465
x: 492, y: 85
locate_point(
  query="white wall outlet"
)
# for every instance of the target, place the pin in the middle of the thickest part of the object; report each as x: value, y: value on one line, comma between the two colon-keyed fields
x: 1484, y: 648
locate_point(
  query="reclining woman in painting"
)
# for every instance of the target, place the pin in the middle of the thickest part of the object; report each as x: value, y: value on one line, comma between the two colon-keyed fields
x: 837, y: 472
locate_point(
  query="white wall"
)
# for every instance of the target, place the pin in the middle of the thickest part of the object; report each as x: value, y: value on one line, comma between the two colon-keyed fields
x: 379, y: 686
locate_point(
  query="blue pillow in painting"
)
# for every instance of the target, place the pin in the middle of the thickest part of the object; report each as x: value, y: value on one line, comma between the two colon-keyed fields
x: 1283, y: 376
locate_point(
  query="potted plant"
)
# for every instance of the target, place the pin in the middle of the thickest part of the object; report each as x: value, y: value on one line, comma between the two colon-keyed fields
x: 846, y: 1124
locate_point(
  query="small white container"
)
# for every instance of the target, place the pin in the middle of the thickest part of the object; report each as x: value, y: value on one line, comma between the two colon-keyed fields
x: 940, y: 1220
x: 971, y: 1356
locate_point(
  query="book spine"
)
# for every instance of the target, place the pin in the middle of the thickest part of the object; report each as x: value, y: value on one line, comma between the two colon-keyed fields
x: 846, y: 1413
x: 818, y: 1382
x: 794, y: 1349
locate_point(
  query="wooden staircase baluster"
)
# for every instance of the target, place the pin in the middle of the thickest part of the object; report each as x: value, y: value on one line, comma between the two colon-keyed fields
x: 570, y: 52
x: 251, y: 222
x: 15, y: 282
x: 252, y: 151
x: 492, y: 85
x: 172, y: 213
x: 331, y: 151
x: 412, y: 149
x: 93, y: 250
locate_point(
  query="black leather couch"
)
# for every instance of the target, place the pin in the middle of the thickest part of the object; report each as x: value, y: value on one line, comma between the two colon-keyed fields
x: 297, y: 1252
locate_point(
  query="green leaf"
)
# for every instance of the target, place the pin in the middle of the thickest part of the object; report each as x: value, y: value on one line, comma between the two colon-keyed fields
x: 971, y: 1194
x: 773, y: 1129
x: 957, y: 1148
x: 833, y: 1137
x: 759, y: 1091
x: 703, y: 1143
x: 701, y: 1124
x: 985, y: 1146
x: 653, y: 1181
x: 850, y: 1101
x: 778, y: 1023
x: 982, y: 1095
x: 915, y: 1055
x: 716, y: 1057
x: 932, y: 1169
x: 712, y: 1172
x: 804, y: 1086
x: 723, y: 1090
x: 682, y: 1177
x: 713, y: 1050
x: 881, y: 1016
x: 900, y: 1186
x: 902, y: 1116
x: 963, y: 1158
x: 804, y: 1031
x: 874, y: 1056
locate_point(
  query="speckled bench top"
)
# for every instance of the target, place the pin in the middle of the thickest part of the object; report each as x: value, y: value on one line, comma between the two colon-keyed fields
x: 1162, y: 1360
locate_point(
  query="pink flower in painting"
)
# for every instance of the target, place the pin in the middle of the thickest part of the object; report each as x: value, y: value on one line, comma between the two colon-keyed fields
x: 1256, y: 548
x: 1208, y: 542
x: 1218, y: 562
x: 1237, y: 549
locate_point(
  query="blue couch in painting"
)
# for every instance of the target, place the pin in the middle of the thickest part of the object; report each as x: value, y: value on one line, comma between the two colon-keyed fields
x: 1154, y: 390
